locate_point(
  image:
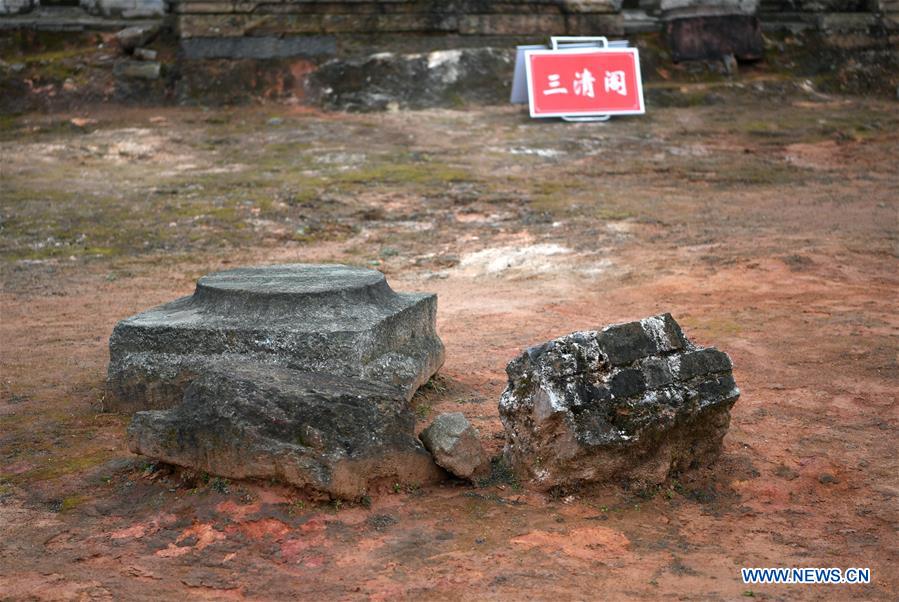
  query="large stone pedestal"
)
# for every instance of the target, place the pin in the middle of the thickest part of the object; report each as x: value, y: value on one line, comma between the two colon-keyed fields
x: 339, y: 436
x: 330, y: 319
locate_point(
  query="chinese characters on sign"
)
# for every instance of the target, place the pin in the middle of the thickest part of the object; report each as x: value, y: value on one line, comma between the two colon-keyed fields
x: 584, y: 82
x: 615, y: 82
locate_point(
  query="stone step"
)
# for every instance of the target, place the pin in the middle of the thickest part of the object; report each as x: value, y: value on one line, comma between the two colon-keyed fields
x: 210, y: 25
x: 67, y: 18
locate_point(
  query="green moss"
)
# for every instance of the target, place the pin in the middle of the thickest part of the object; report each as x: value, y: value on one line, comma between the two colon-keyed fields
x: 171, y: 438
x: 45, y: 224
x: 523, y: 387
x: 422, y: 410
x: 60, y: 467
x: 220, y: 485
x: 757, y: 173
x: 720, y: 327
x: 8, y: 122
x: 73, y: 501
x: 403, y: 173
x: 500, y: 474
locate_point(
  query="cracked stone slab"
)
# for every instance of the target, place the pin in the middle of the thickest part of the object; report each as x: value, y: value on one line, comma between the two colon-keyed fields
x: 322, y: 433
x: 635, y: 401
x: 332, y: 319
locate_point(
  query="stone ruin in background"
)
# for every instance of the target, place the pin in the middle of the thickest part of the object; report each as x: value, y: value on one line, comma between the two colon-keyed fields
x: 303, y: 374
x: 214, y: 29
x: 378, y: 54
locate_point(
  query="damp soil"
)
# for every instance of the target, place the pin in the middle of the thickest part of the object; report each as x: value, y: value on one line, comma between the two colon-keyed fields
x: 766, y: 223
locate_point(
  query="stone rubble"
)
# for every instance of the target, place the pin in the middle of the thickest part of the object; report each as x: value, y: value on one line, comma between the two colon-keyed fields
x: 632, y: 402
x: 135, y: 36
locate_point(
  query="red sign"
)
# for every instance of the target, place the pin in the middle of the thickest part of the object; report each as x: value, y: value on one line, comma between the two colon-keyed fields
x: 580, y: 82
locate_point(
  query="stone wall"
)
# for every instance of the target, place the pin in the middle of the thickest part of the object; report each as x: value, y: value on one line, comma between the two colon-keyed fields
x: 13, y: 7
x: 890, y: 11
x: 107, y: 8
x: 125, y: 8
x: 461, y: 19
x: 464, y: 17
x: 279, y: 28
x: 284, y: 19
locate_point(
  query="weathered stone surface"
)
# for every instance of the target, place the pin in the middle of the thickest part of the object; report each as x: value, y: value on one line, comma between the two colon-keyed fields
x: 455, y: 445
x: 440, y: 78
x: 558, y: 17
x: 145, y: 54
x: 137, y: 35
x: 635, y: 401
x: 12, y: 7
x: 331, y: 319
x: 830, y: 6
x: 287, y: 24
x: 579, y: 23
x: 261, y: 47
x: 148, y: 70
x: 323, y: 433
x: 714, y: 37
x: 129, y: 9
x: 592, y: 6
x: 676, y: 9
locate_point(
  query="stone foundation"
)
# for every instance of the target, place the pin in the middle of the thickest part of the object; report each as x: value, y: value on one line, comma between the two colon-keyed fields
x: 329, y: 319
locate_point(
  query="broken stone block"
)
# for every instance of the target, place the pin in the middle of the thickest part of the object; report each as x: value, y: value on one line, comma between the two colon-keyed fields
x: 13, y: 7
x: 712, y: 29
x: 332, y: 319
x: 715, y: 37
x: 148, y: 70
x: 127, y: 9
x: 137, y: 35
x: 635, y: 402
x: 455, y: 445
x: 145, y: 54
x: 323, y: 433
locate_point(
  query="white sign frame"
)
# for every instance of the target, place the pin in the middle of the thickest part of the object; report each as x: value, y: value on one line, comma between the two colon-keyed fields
x: 584, y: 114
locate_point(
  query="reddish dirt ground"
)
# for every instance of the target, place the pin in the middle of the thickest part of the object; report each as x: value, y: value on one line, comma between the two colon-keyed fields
x: 767, y: 226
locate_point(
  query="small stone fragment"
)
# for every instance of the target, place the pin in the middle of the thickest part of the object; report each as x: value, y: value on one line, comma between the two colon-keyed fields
x: 324, y: 433
x: 145, y: 54
x: 634, y: 401
x: 138, y: 35
x: 149, y: 70
x: 456, y: 446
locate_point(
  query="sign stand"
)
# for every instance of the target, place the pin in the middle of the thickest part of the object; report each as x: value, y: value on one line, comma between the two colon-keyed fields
x: 581, y: 42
